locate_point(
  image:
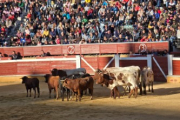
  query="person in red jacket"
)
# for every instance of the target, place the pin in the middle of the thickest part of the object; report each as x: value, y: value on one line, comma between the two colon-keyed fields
x: 144, y: 39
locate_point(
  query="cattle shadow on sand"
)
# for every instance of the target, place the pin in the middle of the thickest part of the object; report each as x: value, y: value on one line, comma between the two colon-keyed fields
x: 165, y: 91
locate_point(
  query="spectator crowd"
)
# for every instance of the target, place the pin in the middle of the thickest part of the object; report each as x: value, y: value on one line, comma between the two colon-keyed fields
x: 9, y: 12
x: 50, y: 22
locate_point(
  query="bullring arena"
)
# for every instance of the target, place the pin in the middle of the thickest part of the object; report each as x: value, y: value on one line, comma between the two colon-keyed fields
x: 163, y: 104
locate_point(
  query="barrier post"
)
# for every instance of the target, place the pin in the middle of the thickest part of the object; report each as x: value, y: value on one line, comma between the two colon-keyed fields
x: 78, y: 61
x: 116, y: 60
x: 149, y: 61
x: 170, y: 66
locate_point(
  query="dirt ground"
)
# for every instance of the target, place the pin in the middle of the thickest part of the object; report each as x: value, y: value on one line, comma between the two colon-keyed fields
x: 164, y: 104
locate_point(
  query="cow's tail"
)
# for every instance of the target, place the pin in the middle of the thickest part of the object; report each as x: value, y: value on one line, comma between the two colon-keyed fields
x: 140, y: 81
x: 84, y: 71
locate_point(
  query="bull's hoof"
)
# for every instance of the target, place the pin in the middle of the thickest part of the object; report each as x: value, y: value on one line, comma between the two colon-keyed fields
x: 34, y: 96
x: 26, y: 96
x: 152, y: 91
x: 129, y: 96
x: 49, y: 97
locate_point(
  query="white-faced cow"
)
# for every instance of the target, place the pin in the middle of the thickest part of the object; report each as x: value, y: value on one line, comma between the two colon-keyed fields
x: 118, y: 78
x: 135, y: 69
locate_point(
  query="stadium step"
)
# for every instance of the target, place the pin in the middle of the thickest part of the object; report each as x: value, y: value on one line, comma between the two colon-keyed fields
x: 173, y: 78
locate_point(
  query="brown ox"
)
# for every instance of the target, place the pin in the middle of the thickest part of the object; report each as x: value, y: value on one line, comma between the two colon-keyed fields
x: 79, y: 84
x: 53, y: 83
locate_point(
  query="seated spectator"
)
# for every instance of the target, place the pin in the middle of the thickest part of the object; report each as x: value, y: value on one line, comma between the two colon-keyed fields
x: 19, y: 34
x: 83, y: 41
x: 27, y: 31
x: 28, y: 40
x: 21, y: 4
x: 65, y: 41
x: 22, y: 41
x: 38, y: 43
x: 35, y: 39
x: 57, y: 40
x: 12, y: 42
x: 84, y: 20
x: 144, y: 39
x: 22, y: 28
x: 45, y: 32
x: 62, y: 37
x: 33, y: 43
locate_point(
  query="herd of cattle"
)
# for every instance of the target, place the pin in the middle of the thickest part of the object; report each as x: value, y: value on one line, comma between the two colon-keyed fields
x: 77, y: 81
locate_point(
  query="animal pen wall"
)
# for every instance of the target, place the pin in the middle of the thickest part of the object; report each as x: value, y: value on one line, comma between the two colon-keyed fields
x: 77, y: 57
x: 40, y: 66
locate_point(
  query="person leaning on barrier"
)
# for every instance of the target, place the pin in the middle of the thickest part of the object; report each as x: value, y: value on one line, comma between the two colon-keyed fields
x: 1, y: 55
x: 14, y: 56
x: 43, y: 54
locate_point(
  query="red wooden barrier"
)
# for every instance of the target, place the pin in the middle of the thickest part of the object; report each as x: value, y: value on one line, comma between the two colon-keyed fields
x: 6, y: 58
x: 8, y: 50
x: 31, y: 67
x: 8, y: 68
x: 34, y: 67
x: 4, y: 1
x: 162, y: 61
x: 176, y: 67
x: 55, y: 50
x: 88, y: 48
x: 92, y: 61
x: 32, y: 51
x: 140, y: 63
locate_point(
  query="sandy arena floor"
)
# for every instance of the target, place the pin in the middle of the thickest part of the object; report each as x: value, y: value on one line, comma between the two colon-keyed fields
x: 164, y: 104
